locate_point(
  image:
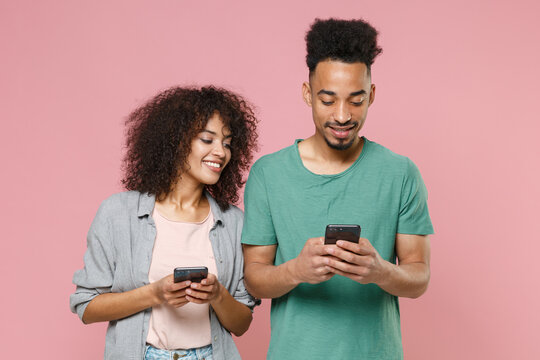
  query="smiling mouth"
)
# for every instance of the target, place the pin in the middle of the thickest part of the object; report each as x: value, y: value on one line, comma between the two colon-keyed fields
x: 341, y: 132
x: 214, y: 166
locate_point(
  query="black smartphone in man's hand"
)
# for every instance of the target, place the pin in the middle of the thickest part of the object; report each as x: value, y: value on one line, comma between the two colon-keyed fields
x: 335, y: 232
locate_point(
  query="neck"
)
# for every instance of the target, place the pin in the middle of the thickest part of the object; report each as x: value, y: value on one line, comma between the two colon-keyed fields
x: 319, y: 158
x: 324, y: 152
x: 185, y: 194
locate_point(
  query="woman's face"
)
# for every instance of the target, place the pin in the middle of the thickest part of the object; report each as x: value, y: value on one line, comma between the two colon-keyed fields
x: 210, y: 152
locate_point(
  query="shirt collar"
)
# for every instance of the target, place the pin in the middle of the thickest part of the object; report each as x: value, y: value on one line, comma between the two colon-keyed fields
x: 146, y: 204
x: 214, y: 207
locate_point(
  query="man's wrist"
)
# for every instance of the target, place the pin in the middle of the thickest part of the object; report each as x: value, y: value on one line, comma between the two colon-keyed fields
x: 386, y: 273
x: 292, y: 274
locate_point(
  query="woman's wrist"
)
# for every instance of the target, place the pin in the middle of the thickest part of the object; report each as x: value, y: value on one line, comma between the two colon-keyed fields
x: 220, y: 295
x: 153, y: 294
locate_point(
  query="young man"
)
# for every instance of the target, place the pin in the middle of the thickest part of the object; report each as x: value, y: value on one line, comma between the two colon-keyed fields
x: 336, y: 301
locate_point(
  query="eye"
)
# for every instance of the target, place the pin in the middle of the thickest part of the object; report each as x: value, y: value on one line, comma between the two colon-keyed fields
x: 227, y: 145
x: 358, y: 103
x: 206, y: 141
x: 327, y: 103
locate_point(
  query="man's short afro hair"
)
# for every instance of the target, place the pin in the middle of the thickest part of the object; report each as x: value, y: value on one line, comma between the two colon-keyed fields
x: 349, y: 41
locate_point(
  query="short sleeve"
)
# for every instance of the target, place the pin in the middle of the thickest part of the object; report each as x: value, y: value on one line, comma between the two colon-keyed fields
x: 97, y: 275
x: 258, y: 225
x: 413, y: 213
x: 241, y: 294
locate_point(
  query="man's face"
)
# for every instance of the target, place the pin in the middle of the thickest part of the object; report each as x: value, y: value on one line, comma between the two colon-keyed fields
x: 339, y: 95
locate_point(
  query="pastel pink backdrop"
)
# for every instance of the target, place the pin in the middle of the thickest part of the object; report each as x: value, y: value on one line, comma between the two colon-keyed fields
x: 457, y: 91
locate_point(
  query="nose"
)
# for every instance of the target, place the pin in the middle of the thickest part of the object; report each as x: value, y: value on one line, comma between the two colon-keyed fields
x: 219, y: 149
x: 342, y: 114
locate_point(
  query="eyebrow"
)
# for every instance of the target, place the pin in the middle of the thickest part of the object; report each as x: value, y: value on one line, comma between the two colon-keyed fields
x: 214, y: 133
x: 332, y: 93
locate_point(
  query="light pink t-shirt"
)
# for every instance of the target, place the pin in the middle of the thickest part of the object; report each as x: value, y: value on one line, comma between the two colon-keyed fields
x: 180, y: 244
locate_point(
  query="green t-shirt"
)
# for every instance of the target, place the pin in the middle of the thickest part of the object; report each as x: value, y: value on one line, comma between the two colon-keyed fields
x: 286, y: 204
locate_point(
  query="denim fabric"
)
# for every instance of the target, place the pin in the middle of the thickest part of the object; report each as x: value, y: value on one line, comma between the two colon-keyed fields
x: 202, y: 353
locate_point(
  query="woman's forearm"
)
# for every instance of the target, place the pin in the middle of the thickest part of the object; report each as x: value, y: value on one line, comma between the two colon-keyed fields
x: 232, y: 314
x: 114, y: 306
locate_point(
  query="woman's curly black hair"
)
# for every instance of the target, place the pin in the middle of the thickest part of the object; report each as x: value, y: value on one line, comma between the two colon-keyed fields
x: 349, y: 41
x: 159, y: 136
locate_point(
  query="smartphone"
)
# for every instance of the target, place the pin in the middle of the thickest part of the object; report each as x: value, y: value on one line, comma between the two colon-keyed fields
x: 194, y: 274
x: 335, y: 232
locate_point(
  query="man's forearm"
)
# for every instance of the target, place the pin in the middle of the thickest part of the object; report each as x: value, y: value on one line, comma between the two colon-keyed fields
x: 269, y: 281
x: 406, y: 280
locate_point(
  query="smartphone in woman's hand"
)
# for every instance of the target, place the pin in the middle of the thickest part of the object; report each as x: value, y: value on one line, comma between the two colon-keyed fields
x: 193, y: 274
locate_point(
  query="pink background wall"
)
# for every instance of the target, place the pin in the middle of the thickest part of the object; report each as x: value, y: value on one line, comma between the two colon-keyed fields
x: 457, y: 91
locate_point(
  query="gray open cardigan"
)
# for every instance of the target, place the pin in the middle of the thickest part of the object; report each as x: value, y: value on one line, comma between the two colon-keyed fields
x: 120, y: 243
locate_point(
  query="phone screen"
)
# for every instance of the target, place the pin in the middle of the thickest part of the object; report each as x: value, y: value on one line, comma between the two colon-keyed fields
x: 335, y: 232
x: 194, y: 274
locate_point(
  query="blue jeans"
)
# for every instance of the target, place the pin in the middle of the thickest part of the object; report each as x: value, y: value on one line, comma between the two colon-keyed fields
x: 202, y: 353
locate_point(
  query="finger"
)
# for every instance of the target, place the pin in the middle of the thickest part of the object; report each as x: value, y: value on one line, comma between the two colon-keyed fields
x: 329, y: 273
x: 316, y: 241
x: 178, y: 286
x: 174, y: 295
x: 180, y: 303
x: 196, y: 300
x: 197, y: 294
x: 177, y: 301
x: 361, y: 248
x: 210, y: 280
x: 331, y: 249
x: 355, y: 277
x: 320, y: 260
x: 365, y: 243
x: 200, y: 287
x: 322, y: 270
x: 344, y: 266
x: 344, y: 255
x: 321, y: 249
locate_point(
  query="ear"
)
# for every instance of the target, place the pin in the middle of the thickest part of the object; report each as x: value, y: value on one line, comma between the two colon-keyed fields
x: 306, y: 93
x: 371, y: 94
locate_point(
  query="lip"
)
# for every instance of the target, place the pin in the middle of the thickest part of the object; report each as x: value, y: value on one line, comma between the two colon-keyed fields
x: 341, y: 133
x: 208, y: 163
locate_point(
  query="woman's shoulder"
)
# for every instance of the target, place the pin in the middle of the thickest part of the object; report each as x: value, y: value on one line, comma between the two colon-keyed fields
x: 233, y: 213
x: 121, y: 203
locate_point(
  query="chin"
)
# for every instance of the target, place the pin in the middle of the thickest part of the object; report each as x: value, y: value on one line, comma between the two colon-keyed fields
x: 340, y: 145
x: 210, y: 180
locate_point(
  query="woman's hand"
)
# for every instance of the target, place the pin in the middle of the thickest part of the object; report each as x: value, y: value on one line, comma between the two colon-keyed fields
x: 169, y: 292
x: 207, y: 291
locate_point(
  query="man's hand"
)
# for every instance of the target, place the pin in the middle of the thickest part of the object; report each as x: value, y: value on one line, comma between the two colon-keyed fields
x: 359, y: 262
x: 311, y: 264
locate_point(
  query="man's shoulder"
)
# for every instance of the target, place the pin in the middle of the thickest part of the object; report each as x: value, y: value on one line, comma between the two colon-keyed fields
x: 275, y: 159
x: 382, y: 156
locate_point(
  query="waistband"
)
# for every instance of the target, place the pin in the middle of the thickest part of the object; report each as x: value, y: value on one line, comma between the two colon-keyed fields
x: 202, y: 353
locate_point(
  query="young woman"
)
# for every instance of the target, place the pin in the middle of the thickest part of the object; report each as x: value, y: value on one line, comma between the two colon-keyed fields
x: 186, y: 151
